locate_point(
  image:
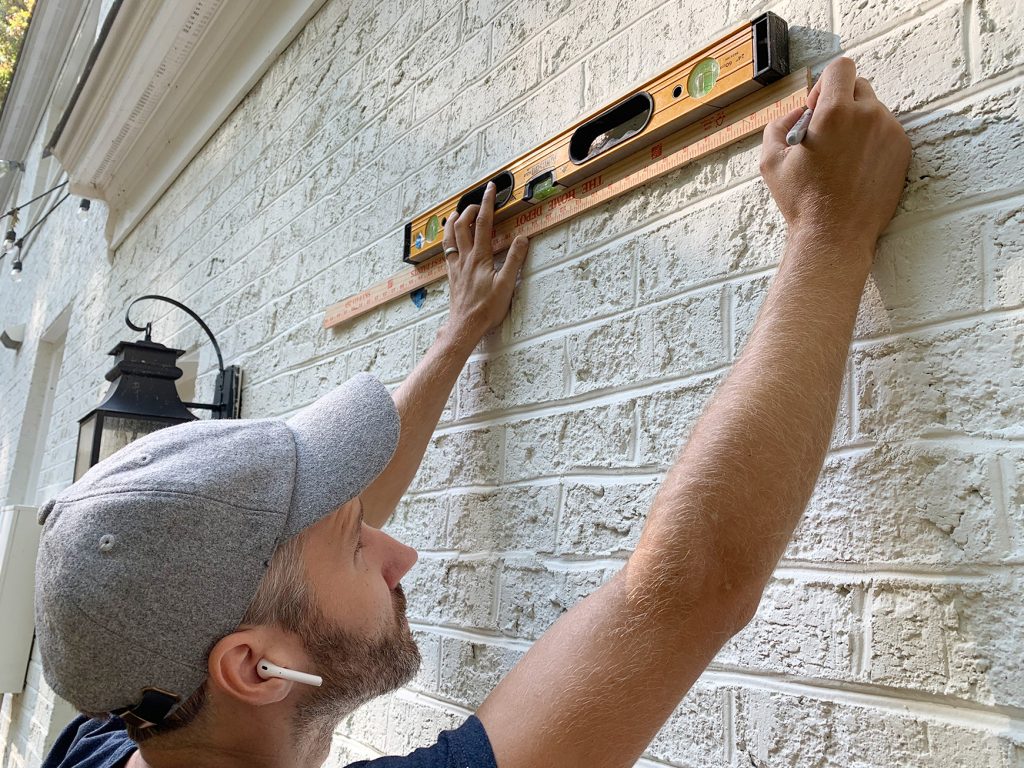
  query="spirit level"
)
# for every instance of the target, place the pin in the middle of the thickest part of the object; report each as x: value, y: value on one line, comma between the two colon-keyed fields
x: 743, y: 61
x: 715, y: 131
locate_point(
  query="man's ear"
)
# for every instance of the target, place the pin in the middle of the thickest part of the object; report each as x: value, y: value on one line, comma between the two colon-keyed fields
x: 232, y: 667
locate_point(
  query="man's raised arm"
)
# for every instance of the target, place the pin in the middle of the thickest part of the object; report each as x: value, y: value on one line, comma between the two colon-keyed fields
x: 480, y: 299
x: 597, y: 686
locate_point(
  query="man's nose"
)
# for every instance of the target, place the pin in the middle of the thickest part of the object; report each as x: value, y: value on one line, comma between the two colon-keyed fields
x: 401, y: 558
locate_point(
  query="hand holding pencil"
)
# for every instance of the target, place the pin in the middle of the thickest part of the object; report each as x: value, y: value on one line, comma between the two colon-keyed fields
x: 840, y: 174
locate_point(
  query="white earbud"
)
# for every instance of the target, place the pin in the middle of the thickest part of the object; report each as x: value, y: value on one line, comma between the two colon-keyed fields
x: 266, y: 670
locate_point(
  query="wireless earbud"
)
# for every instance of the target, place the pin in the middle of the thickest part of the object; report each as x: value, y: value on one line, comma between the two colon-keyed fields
x: 266, y: 670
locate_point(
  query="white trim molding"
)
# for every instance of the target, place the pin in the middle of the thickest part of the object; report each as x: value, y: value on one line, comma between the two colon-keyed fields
x: 162, y: 80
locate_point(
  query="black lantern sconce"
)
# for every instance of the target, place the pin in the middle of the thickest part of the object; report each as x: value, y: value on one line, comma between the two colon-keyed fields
x: 143, y: 398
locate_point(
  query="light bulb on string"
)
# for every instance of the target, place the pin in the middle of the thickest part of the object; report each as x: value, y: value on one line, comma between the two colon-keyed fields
x: 9, y: 241
x: 16, y: 270
x: 83, y: 208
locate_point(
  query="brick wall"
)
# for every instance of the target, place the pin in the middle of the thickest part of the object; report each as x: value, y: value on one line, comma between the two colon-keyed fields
x: 891, y: 632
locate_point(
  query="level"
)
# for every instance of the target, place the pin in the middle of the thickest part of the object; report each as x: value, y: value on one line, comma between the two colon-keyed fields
x: 745, y: 60
x: 741, y: 119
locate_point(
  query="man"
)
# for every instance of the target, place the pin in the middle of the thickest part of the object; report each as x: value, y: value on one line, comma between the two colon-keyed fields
x: 184, y: 581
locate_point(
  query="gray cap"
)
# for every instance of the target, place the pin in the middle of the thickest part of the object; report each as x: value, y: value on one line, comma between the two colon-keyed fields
x: 156, y: 552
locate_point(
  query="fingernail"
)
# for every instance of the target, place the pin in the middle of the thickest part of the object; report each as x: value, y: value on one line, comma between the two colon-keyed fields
x: 490, y: 185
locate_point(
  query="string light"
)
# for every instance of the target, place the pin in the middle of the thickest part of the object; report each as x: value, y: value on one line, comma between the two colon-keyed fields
x: 83, y: 209
x: 16, y: 262
x: 9, y: 241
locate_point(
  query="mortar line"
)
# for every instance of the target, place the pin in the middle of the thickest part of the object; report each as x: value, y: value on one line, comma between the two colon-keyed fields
x: 960, y: 322
x: 902, y: 702
x: 865, y: 573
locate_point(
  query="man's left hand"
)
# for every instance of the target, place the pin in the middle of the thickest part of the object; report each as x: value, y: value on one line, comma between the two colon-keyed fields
x: 481, y: 294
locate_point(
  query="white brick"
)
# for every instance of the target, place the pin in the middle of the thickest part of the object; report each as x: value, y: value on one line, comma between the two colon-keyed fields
x: 471, y: 670
x: 955, y: 639
x: 452, y: 592
x: 1006, y: 279
x: 530, y: 375
x: 470, y: 457
x: 732, y: 234
x: 603, y: 519
x: 595, y: 286
x: 924, y: 274
x: 591, y: 438
x: 783, y: 730
x: 533, y: 596
x: 911, y: 504
x: 696, y: 732
x: 966, y: 151
x: 679, y: 338
x: 999, y: 25
x: 918, y: 63
x: 506, y: 519
x: 966, y: 379
x: 804, y: 628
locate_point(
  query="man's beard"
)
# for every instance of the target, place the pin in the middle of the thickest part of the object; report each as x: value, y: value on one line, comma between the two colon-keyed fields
x: 355, y: 669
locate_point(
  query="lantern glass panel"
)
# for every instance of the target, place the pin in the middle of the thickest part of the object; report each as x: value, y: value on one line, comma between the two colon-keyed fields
x: 86, y: 436
x: 118, y: 431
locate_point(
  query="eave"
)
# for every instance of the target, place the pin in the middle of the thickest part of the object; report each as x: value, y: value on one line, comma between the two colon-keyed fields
x: 160, y: 83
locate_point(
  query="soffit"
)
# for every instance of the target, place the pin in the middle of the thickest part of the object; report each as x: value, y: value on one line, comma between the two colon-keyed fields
x: 167, y: 75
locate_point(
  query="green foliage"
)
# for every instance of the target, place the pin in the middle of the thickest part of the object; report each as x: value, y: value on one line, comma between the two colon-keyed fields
x: 14, y: 16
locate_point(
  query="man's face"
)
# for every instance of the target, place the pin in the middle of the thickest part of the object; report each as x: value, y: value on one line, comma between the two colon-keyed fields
x: 360, y: 643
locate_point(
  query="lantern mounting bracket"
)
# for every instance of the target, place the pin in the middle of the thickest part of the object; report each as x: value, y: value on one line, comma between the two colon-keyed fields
x: 228, y: 395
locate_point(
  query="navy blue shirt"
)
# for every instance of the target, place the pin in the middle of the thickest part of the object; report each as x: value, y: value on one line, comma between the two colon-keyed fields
x: 86, y: 743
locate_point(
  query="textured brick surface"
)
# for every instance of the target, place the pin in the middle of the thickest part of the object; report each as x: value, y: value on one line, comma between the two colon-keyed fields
x: 908, y: 503
x: 890, y: 637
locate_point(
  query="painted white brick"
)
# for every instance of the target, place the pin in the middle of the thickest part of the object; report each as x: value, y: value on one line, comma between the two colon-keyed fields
x: 1006, y: 279
x: 471, y: 670
x: 802, y: 628
x: 452, y: 592
x: 918, y: 63
x: 470, y: 457
x: 999, y: 25
x: 955, y: 639
x: 965, y: 151
x: 377, y: 112
x: 598, y: 520
x: 729, y: 235
x: 929, y: 504
x: 590, y: 438
x: 679, y: 338
x: 415, y: 724
x: 505, y: 519
x: 785, y: 730
x: 530, y: 375
x: 666, y: 418
x: 924, y: 274
x: 532, y: 596
x: 696, y: 732
x: 595, y: 286
x: 968, y: 380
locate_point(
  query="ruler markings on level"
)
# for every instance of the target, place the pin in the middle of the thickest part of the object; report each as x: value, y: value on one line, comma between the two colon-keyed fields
x: 724, y: 127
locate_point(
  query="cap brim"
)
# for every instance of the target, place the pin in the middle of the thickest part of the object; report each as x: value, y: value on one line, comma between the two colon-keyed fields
x: 343, y: 441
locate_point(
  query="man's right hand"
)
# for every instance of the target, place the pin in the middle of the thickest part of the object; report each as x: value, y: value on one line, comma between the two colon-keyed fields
x: 843, y: 182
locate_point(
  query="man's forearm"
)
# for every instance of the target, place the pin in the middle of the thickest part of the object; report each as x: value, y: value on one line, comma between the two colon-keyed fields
x: 420, y: 401
x: 727, y: 509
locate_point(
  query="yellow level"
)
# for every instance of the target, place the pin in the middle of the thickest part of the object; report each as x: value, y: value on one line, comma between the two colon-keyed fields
x: 735, y: 122
x: 741, y: 62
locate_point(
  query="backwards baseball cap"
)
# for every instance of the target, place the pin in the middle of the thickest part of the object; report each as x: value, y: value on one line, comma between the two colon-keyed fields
x: 156, y: 552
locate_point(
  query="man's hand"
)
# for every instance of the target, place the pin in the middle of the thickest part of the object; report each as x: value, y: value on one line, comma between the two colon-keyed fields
x: 841, y: 185
x: 480, y: 293
x: 480, y: 299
